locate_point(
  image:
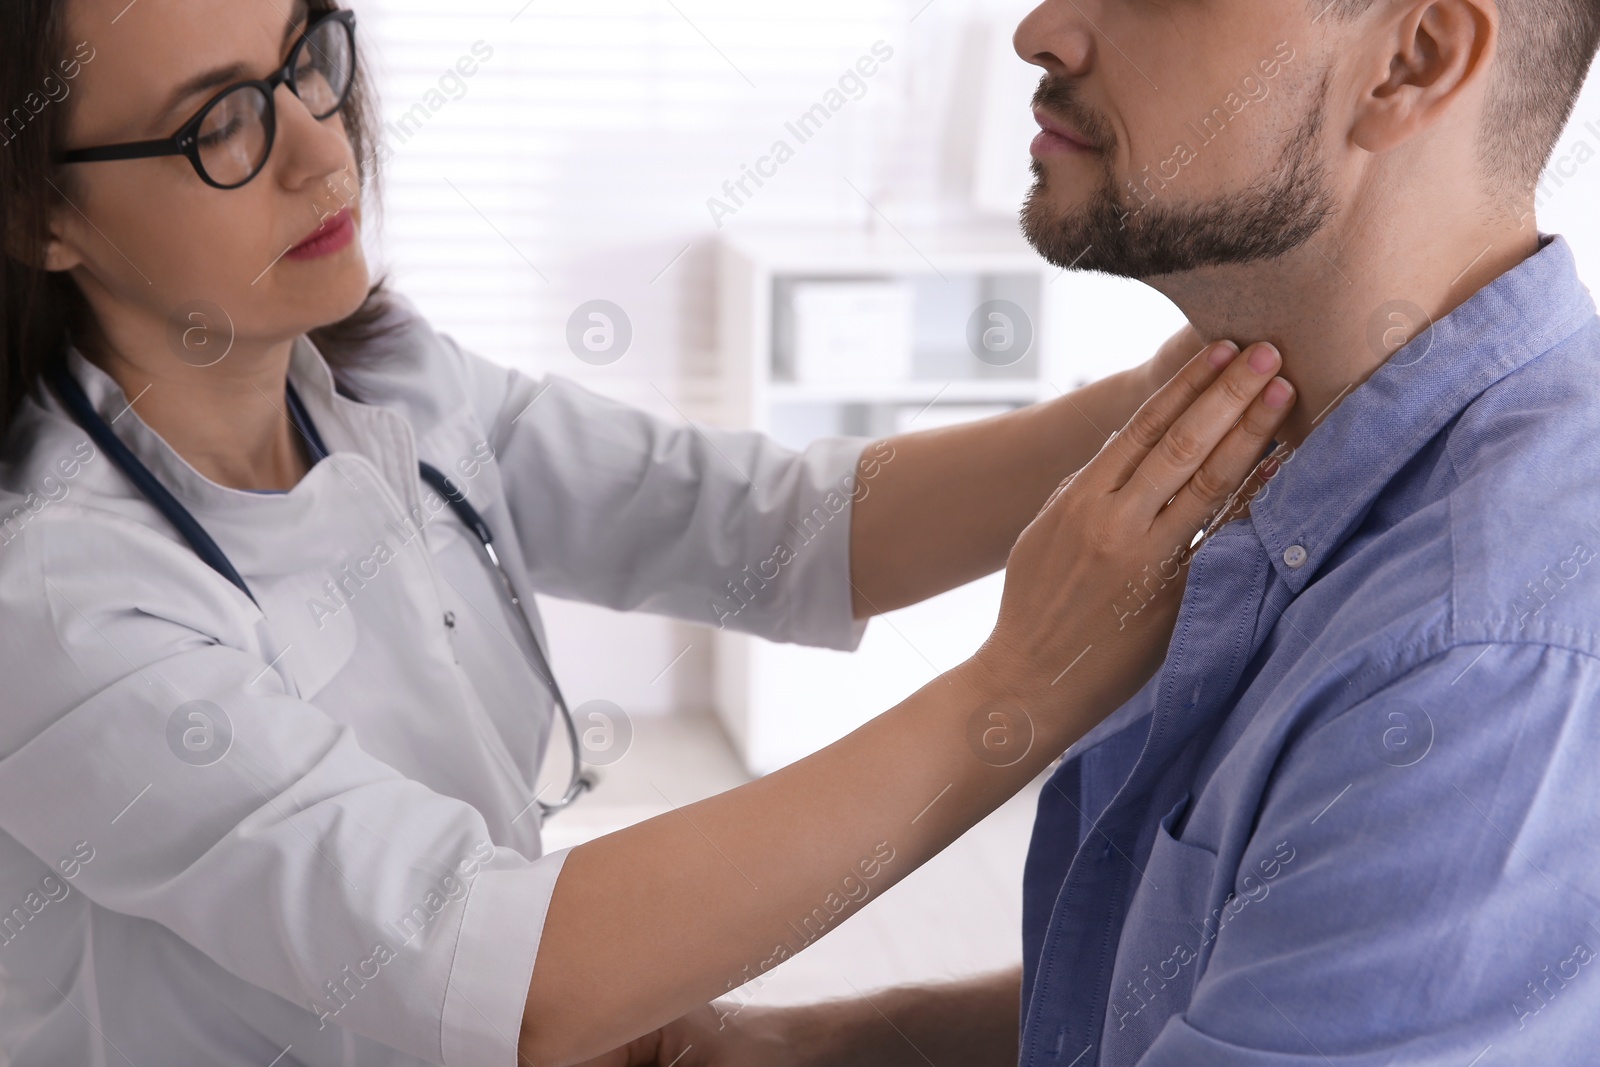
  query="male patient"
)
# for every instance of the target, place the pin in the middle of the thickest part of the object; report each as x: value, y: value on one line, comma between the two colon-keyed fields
x: 1355, y: 819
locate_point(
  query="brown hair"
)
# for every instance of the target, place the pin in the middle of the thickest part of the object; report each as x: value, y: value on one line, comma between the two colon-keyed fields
x: 1546, y: 49
x: 38, y: 308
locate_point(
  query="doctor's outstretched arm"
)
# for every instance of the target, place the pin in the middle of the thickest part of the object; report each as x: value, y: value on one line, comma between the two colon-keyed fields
x: 651, y: 921
x: 949, y: 505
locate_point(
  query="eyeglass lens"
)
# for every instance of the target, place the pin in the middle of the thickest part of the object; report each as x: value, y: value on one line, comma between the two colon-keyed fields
x: 323, y: 68
x: 233, y: 142
x: 233, y: 136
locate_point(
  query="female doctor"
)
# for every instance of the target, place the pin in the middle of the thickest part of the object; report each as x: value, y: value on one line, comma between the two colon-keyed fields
x: 274, y: 710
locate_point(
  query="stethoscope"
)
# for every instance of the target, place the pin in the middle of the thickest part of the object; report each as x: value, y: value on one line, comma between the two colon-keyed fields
x: 83, y: 412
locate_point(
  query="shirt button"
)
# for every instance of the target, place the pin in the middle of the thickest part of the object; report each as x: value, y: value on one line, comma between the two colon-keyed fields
x: 1295, y: 556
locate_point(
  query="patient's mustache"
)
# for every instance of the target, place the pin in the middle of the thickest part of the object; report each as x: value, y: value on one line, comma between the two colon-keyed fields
x: 1059, y: 96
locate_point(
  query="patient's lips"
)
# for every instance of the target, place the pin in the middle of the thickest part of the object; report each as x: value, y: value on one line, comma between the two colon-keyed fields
x: 1058, y: 138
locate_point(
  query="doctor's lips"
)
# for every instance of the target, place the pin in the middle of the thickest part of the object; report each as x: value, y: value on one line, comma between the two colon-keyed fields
x: 336, y: 231
x: 1056, y: 136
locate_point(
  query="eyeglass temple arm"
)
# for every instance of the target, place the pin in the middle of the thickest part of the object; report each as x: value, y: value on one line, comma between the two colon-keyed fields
x: 129, y: 150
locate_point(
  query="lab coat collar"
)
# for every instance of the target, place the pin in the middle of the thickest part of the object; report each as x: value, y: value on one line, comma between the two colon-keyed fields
x: 380, y: 435
x: 414, y: 371
x: 194, y: 490
x: 412, y: 403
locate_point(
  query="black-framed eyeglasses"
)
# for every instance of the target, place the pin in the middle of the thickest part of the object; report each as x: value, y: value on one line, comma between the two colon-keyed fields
x: 228, y: 140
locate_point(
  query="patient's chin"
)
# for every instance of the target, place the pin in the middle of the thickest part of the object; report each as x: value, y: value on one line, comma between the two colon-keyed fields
x: 1088, y: 236
x: 1150, y: 239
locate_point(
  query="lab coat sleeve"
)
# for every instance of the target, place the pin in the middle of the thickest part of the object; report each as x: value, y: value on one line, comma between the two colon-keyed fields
x: 143, y: 730
x: 616, y: 506
x: 1420, y: 885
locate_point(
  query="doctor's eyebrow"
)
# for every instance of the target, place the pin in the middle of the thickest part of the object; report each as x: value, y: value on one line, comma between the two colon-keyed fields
x: 232, y: 72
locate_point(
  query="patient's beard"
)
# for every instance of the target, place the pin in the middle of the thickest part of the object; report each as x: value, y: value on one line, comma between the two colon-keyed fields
x: 1279, y: 214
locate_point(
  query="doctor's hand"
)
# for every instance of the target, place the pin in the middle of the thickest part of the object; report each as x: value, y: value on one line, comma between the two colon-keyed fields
x: 716, y: 1035
x: 1094, y: 582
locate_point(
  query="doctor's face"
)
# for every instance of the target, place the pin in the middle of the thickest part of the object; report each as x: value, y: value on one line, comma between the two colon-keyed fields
x: 149, y: 237
x: 1187, y: 133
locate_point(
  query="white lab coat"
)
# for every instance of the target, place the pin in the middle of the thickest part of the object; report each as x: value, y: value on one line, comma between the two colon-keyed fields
x: 358, y: 879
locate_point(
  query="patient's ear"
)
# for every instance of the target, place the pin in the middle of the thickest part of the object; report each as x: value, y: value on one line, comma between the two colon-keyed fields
x: 1428, y: 57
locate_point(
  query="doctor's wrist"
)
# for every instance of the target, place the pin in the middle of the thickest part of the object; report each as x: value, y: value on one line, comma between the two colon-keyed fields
x: 837, y: 1033
x: 1032, y: 705
x: 998, y: 671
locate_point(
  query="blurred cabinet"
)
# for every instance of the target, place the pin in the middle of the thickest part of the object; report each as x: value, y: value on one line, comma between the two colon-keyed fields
x: 980, y: 342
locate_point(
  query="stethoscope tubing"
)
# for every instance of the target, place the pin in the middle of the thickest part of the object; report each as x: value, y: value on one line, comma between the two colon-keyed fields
x: 83, y: 413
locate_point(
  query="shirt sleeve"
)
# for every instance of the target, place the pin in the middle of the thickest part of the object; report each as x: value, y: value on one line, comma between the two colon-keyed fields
x: 147, y: 741
x: 616, y: 506
x: 1442, y: 906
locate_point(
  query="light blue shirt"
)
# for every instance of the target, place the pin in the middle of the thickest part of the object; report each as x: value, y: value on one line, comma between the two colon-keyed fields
x: 1355, y: 818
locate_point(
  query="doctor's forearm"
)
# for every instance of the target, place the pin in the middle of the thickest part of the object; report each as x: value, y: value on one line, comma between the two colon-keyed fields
x: 948, y: 505
x: 650, y: 921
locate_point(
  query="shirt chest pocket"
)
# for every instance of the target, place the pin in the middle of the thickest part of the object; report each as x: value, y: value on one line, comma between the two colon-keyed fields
x: 1165, y: 941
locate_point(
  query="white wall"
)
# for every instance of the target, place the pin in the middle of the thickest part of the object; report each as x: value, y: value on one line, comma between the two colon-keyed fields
x: 577, y: 162
x: 1569, y: 195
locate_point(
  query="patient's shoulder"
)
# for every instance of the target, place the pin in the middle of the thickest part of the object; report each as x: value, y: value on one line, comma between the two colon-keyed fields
x: 1524, y: 509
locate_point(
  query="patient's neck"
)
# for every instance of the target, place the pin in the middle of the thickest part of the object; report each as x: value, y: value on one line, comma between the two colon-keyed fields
x: 1329, y: 305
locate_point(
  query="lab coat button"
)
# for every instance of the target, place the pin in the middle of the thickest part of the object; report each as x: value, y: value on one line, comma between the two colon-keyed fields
x: 450, y: 620
x: 1295, y: 556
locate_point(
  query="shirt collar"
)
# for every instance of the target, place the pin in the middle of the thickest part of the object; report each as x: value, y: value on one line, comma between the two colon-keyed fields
x: 1319, y: 496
